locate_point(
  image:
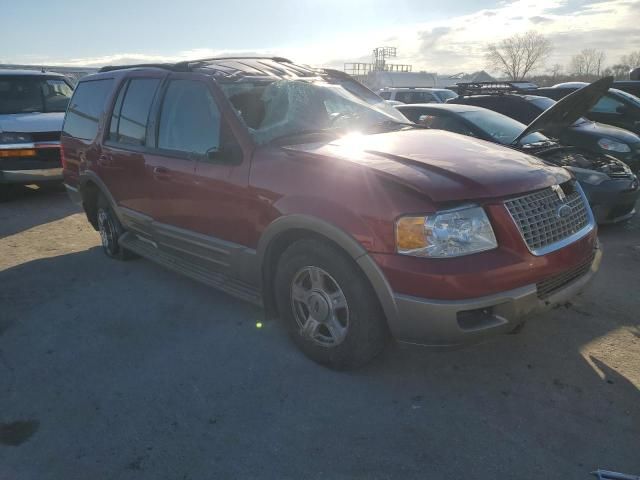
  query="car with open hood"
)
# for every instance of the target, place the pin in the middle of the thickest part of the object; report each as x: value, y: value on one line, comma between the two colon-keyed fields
x: 611, y: 187
x: 32, y: 106
x: 522, y: 102
x: 283, y: 185
x: 616, y: 107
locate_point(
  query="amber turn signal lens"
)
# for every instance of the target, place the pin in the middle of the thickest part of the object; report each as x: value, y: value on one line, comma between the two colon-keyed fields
x: 410, y: 233
x: 18, y: 152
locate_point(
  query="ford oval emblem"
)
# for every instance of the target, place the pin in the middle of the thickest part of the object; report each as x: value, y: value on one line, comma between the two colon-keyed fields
x: 563, y: 211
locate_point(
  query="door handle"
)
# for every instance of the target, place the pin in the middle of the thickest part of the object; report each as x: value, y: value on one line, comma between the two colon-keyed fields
x: 161, y: 173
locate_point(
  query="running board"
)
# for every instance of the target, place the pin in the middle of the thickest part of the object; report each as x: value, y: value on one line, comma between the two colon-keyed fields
x: 148, y: 249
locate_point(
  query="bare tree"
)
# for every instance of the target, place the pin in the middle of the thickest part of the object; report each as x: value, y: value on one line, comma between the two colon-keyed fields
x: 555, y: 70
x: 619, y: 71
x: 588, y: 63
x: 632, y: 60
x: 518, y: 55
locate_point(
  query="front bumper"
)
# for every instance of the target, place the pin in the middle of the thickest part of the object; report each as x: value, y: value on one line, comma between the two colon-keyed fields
x: 449, y: 323
x: 614, y: 200
x: 26, y: 177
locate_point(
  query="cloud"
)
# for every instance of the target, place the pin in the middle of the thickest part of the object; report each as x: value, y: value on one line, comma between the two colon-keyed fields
x: 430, y: 38
x: 537, y: 19
x: 450, y: 45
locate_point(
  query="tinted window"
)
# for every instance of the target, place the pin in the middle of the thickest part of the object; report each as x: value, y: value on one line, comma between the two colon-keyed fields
x: 115, y: 116
x: 189, y: 119
x: 134, y: 113
x: 415, y: 97
x: 445, y: 95
x: 500, y: 128
x: 607, y: 104
x: 86, y: 107
x: 24, y: 94
x: 386, y: 95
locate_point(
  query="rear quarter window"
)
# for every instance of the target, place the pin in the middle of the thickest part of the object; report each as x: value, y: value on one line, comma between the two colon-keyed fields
x: 86, y: 107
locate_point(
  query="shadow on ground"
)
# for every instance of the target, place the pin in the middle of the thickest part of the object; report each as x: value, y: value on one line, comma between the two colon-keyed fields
x: 29, y: 206
x: 130, y: 371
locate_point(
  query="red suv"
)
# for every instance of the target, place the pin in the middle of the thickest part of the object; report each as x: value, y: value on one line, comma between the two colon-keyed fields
x: 300, y: 190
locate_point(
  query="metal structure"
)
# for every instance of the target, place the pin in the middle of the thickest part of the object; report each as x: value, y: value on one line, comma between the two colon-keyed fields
x: 379, y: 57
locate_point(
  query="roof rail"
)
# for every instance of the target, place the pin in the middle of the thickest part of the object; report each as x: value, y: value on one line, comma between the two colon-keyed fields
x: 186, y: 65
x: 213, y: 59
x: 176, y: 67
x: 494, y: 88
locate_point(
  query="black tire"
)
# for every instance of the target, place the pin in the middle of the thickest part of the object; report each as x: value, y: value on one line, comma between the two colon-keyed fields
x: 366, y: 326
x: 110, y: 230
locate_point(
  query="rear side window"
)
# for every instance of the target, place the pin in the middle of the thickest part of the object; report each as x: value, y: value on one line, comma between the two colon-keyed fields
x: 386, y: 95
x: 607, y: 104
x: 189, y: 119
x: 131, y: 113
x: 86, y: 108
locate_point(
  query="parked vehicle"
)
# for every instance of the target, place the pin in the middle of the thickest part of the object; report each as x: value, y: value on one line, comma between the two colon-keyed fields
x: 32, y: 105
x: 417, y: 95
x: 514, y: 102
x: 616, y: 107
x: 273, y: 182
x: 629, y: 86
x: 611, y: 188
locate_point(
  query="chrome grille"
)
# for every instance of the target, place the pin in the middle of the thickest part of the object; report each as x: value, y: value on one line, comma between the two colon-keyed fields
x: 538, y: 218
x: 548, y: 287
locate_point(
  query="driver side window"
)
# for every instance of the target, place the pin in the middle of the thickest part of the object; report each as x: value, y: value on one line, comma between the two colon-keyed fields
x: 189, y: 119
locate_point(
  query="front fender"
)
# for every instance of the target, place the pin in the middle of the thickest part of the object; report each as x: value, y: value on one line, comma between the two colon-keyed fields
x: 344, y: 240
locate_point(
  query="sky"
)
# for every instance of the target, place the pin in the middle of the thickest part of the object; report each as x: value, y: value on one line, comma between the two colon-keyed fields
x: 436, y: 36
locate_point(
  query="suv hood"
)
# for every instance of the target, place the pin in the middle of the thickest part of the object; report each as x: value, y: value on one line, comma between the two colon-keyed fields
x: 443, y: 165
x: 567, y: 110
x: 31, y: 122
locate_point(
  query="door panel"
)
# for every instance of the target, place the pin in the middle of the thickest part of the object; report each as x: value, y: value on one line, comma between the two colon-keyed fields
x: 199, y: 176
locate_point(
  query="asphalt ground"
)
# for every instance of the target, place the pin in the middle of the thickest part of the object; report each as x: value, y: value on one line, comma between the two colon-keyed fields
x: 124, y: 370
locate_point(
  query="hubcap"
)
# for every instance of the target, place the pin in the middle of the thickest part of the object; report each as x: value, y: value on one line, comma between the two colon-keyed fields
x: 319, y: 306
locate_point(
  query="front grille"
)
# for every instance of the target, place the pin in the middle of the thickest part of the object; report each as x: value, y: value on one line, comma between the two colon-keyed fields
x: 543, y: 222
x: 548, y: 287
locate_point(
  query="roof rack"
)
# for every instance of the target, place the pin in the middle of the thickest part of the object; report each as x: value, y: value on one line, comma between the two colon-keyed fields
x: 187, y: 65
x: 176, y: 67
x: 494, y: 88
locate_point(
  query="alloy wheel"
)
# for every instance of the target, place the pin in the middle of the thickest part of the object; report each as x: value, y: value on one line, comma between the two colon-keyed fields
x: 319, y: 306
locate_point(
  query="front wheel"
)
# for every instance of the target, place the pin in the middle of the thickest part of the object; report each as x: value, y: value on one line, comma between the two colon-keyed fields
x: 328, y: 306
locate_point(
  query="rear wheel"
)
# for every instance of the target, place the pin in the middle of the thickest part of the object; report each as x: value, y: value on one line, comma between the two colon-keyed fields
x: 110, y: 231
x: 328, y: 306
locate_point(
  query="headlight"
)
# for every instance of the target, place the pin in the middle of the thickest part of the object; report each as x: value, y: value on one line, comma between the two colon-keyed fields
x: 613, y: 146
x: 588, y: 176
x: 11, y: 137
x: 450, y: 233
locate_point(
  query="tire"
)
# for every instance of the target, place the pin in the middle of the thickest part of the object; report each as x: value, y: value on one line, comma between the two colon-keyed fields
x: 316, y: 278
x: 110, y: 230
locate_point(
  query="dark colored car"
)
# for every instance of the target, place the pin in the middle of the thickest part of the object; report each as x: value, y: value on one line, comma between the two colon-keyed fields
x: 616, y: 107
x: 610, y: 186
x: 32, y: 105
x: 275, y: 183
x: 525, y: 108
x: 629, y: 86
